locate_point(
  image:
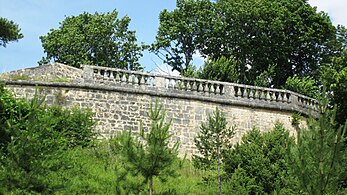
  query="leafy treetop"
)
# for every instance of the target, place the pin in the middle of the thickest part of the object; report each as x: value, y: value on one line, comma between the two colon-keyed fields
x: 99, y: 39
x: 9, y: 31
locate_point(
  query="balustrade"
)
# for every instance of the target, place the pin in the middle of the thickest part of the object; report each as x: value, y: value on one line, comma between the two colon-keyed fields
x: 123, y: 77
x: 197, y: 86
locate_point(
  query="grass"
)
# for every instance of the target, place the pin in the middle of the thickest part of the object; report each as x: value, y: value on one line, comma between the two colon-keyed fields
x: 16, y: 77
x: 22, y: 77
x: 98, y: 171
x: 189, y: 181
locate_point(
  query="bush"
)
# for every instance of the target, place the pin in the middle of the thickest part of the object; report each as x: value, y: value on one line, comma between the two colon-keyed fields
x: 34, y: 139
x: 259, y: 161
x: 305, y: 86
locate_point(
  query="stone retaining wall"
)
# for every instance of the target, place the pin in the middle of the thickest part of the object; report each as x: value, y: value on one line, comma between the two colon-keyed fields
x: 120, y: 100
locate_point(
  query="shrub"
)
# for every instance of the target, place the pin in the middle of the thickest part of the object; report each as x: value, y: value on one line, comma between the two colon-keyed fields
x: 259, y: 162
x: 34, y: 139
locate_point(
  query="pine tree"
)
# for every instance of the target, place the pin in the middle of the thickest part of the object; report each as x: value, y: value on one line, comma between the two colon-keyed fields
x: 149, y: 153
x: 213, y: 138
x: 317, y: 158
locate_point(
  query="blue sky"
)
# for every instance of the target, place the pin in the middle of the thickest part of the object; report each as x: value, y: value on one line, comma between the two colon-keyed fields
x: 37, y: 17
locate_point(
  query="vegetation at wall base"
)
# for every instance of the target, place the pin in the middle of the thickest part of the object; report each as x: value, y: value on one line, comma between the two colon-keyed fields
x: 257, y: 165
x: 318, y: 160
x: 212, y: 141
x: 149, y: 153
x: 34, y: 139
x: 41, y: 152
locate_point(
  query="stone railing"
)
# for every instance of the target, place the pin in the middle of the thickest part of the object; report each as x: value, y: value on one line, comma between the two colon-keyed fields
x: 201, y: 89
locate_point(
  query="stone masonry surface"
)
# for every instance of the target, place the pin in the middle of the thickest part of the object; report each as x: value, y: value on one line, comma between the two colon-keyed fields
x: 120, y: 100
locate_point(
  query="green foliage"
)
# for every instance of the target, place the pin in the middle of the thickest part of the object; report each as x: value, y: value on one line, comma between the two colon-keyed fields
x: 296, y: 119
x: 9, y: 31
x: 241, y: 183
x: 149, y: 153
x: 212, y: 140
x: 92, y: 172
x: 334, y: 78
x: 76, y: 125
x: 257, y: 165
x: 32, y: 150
x: 222, y: 69
x: 96, y: 39
x: 305, y: 86
x: 34, y: 139
x: 292, y: 36
x: 265, y: 78
x: 180, y: 32
x: 317, y: 160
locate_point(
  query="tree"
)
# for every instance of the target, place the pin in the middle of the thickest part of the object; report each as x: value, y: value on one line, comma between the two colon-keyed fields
x: 149, y: 153
x: 290, y: 35
x: 317, y: 160
x: 305, y: 86
x: 9, y: 31
x: 257, y: 164
x: 212, y: 140
x: 221, y: 69
x: 180, y: 32
x: 334, y: 78
x: 255, y: 35
x: 96, y: 39
x: 33, y: 141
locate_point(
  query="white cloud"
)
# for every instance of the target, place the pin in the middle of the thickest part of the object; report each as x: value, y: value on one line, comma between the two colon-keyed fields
x: 336, y: 9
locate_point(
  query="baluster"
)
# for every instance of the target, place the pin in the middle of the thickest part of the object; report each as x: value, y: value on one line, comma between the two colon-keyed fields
x: 177, y: 84
x: 248, y: 92
x: 212, y: 89
x: 256, y: 94
x: 261, y: 94
x: 271, y: 95
x: 150, y: 82
x: 242, y: 90
x: 277, y: 96
x: 239, y: 92
x: 200, y: 87
x: 230, y: 89
x: 266, y: 95
x: 102, y: 72
x: 251, y: 93
x: 194, y: 87
x: 188, y: 86
x: 304, y: 103
x: 136, y: 80
x: 124, y: 78
x: 218, y: 92
x: 191, y: 87
x: 118, y: 79
x: 222, y: 89
x: 170, y: 84
x: 111, y: 75
x: 236, y: 90
x: 288, y: 97
x: 206, y: 88
x: 142, y: 80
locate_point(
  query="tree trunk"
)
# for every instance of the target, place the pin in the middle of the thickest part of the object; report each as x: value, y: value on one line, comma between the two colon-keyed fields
x: 219, y: 177
x: 150, y: 185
